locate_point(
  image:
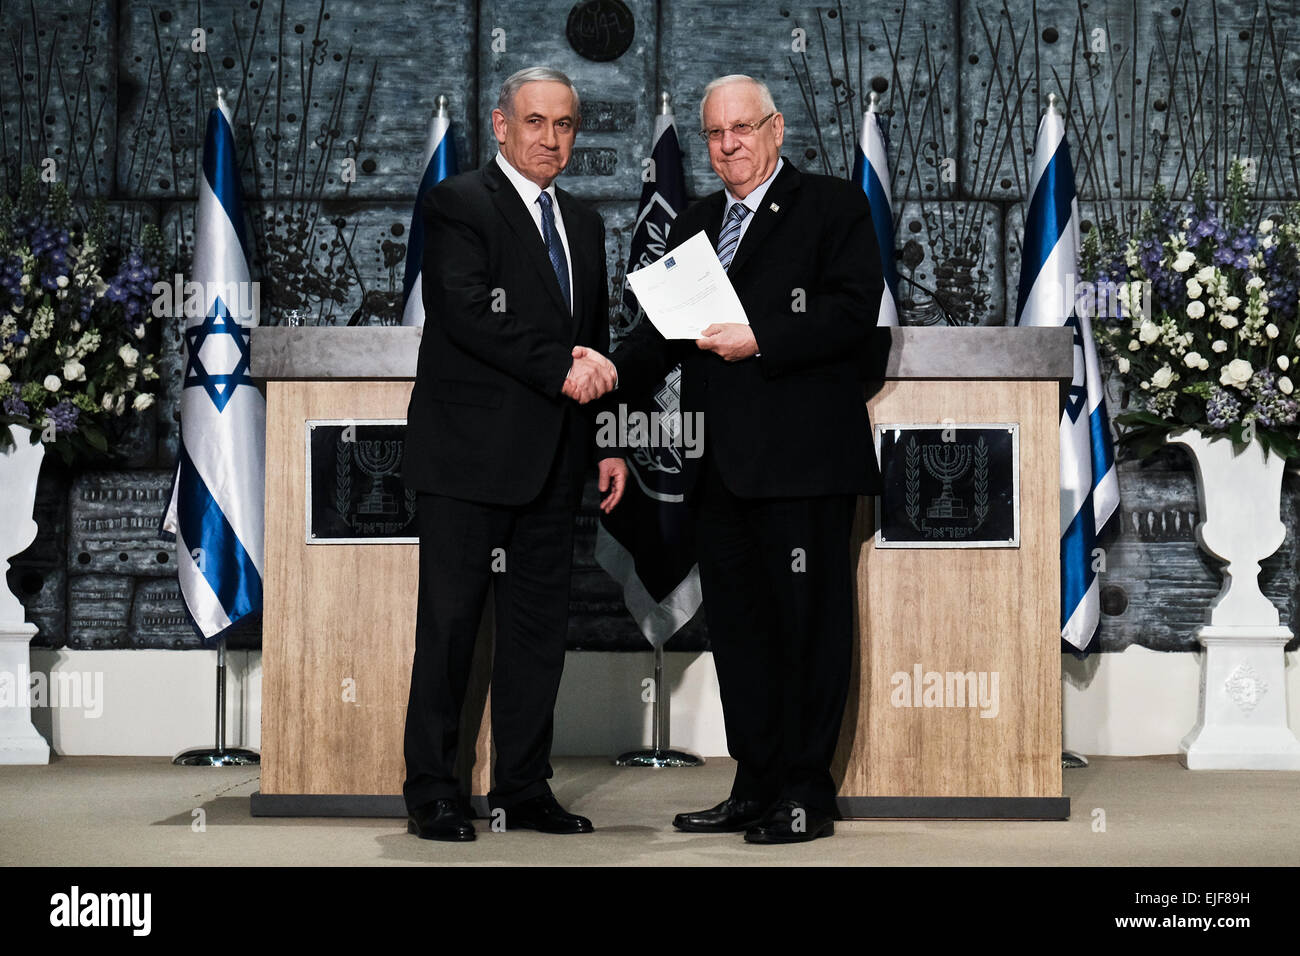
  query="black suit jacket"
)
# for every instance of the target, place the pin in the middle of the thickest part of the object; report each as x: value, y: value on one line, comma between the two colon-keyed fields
x: 792, y: 421
x: 486, y: 413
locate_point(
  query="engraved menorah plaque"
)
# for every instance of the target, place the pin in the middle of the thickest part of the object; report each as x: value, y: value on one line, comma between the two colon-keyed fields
x: 948, y: 486
x: 354, y: 483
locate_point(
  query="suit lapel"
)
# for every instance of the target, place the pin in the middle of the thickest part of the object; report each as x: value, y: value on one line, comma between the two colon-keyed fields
x: 520, y: 220
x: 775, y: 203
x: 715, y: 204
x: 580, y: 253
x: 704, y: 214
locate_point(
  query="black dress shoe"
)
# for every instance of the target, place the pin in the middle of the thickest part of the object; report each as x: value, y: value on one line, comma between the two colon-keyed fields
x: 545, y: 815
x: 729, y: 816
x: 789, y: 821
x: 440, y: 820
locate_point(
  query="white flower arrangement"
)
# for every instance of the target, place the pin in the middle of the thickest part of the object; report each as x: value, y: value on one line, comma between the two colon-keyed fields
x: 1207, y: 324
x: 75, y: 322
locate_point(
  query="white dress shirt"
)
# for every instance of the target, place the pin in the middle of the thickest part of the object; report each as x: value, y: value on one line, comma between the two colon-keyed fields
x: 754, y: 201
x: 528, y: 192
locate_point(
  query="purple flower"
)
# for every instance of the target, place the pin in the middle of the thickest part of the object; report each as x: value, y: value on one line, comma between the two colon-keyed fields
x: 1271, y: 406
x: 64, y: 415
x: 1221, y: 409
x: 14, y: 405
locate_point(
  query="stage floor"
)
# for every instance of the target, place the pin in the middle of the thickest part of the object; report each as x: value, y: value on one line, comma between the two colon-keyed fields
x: 1138, y: 811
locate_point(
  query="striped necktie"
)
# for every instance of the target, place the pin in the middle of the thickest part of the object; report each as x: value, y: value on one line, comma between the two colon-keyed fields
x: 555, y: 248
x: 729, y: 239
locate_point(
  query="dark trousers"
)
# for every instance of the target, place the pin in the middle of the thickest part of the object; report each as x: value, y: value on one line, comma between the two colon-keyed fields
x: 777, y: 578
x: 460, y: 541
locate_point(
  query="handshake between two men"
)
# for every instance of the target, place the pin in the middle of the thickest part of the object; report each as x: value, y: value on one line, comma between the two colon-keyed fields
x: 590, y: 377
x: 593, y: 375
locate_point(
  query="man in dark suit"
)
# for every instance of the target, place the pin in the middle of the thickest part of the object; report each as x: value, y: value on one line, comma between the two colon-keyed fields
x: 787, y: 448
x: 516, y: 301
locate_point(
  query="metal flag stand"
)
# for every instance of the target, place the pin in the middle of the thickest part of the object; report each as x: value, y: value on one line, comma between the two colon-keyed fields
x: 661, y: 753
x: 219, y: 756
x: 1069, y: 759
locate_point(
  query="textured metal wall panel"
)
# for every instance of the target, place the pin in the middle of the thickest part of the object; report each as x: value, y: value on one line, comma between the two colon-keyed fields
x: 99, y: 607
x: 820, y: 79
x: 113, y: 524
x: 1154, y: 93
x: 158, y: 617
x: 59, y: 101
x: 617, y: 97
x: 311, y: 86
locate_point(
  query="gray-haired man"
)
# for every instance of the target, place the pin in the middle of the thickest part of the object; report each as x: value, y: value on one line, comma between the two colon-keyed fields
x: 787, y: 451
x: 498, y: 446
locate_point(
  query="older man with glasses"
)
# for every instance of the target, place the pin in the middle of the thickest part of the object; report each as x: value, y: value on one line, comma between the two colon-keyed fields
x: 787, y: 451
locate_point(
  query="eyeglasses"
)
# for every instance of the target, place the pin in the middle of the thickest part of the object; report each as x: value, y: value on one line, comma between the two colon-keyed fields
x: 740, y: 129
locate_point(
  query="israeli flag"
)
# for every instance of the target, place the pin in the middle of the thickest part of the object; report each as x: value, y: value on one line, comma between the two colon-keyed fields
x: 1048, y: 279
x: 216, y: 510
x: 439, y: 163
x: 871, y: 172
x: 647, y: 544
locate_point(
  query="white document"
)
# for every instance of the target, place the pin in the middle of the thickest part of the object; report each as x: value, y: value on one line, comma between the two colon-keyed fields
x: 687, y: 291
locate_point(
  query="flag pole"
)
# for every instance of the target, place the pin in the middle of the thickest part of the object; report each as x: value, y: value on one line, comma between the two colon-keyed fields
x: 219, y: 756
x: 871, y: 173
x: 660, y: 753
x: 439, y: 163
x: 1070, y: 760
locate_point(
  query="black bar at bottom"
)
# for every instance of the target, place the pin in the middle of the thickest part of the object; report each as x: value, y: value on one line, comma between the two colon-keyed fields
x: 340, y: 805
x: 955, y: 808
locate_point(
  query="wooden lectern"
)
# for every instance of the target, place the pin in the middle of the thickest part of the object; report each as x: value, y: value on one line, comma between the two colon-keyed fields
x: 932, y: 620
x: 338, y: 630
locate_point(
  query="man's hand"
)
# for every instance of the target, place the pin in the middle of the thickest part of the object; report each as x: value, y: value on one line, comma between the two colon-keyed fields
x: 729, y: 340
x: 613, y: 478
x: 591, y: 376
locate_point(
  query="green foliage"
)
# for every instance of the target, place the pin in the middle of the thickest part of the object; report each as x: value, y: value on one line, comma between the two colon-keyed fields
x: 1237, y: 208
x: 1200, y: 193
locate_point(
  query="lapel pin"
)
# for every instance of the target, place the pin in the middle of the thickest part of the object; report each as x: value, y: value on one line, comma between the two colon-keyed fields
x: 774, y: 207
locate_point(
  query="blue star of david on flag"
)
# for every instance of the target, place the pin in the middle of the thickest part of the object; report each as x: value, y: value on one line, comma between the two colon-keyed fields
x: 220, y: 386
x: 1089, y: 480
x: 216, y: 511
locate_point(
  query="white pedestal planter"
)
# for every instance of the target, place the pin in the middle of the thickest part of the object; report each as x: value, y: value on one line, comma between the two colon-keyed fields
x: 1242, y: 715
x: 19, y: 468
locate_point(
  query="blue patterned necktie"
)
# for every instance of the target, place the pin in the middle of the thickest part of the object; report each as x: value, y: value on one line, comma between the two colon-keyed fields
x: 555, y: 248
x: 729, y: 239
